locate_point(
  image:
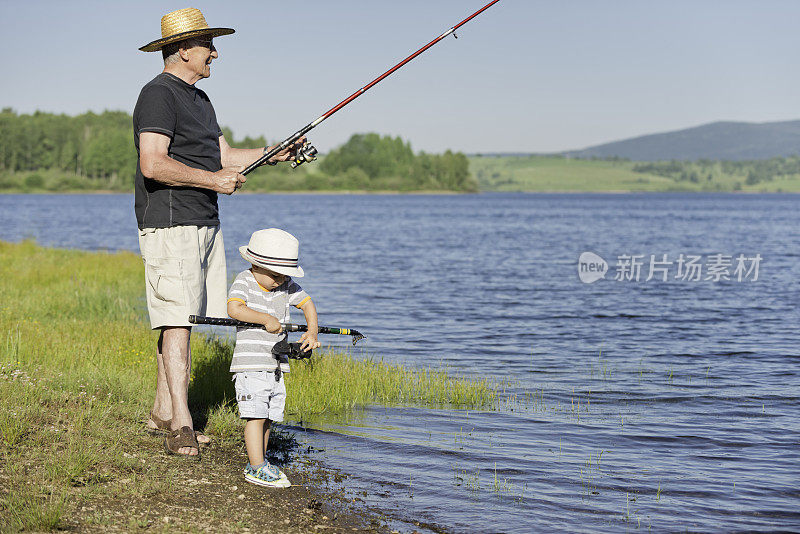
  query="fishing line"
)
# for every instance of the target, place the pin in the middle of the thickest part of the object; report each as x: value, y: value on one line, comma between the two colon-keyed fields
x: 307, y: 152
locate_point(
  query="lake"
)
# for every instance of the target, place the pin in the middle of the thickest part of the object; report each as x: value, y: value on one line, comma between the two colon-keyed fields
x: 626, y: 403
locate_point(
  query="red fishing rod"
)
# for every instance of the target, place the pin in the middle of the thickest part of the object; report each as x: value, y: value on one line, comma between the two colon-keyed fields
x: 308, y: 152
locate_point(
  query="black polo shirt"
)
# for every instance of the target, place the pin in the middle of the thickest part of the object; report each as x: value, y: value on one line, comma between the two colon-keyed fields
x: 170, y: 106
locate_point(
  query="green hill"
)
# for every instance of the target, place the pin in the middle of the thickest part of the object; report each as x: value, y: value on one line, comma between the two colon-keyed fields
x: 730, y: 141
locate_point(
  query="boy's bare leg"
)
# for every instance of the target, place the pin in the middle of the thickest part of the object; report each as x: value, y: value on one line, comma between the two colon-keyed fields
x: 175, y: 354
x: 253, y: 440
x: 267, y: 426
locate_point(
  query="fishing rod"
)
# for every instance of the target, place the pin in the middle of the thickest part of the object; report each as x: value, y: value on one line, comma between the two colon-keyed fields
x: 288, y: 327
x: 307, y: 152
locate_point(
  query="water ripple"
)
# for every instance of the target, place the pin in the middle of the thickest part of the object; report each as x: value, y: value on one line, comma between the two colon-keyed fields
x: 669, y: 406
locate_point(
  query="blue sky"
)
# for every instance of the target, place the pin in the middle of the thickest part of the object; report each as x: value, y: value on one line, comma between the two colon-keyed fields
x: 527, y: 76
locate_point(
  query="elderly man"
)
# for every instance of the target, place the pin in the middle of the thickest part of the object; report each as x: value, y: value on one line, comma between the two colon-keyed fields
x: 184, y: 162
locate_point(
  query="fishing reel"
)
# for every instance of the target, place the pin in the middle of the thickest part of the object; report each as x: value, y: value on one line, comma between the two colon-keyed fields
x: 304, y: 154
x: 284, y: 351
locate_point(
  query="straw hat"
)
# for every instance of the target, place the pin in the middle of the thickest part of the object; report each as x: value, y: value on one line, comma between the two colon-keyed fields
x: 274, y: 249
x: 183, y: 24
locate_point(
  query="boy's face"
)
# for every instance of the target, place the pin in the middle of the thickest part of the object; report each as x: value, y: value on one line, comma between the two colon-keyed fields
x: 267, y: 279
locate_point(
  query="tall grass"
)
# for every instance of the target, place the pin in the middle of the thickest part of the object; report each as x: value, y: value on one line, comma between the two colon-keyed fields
x: 83, y: 314
x: 333, y: 383
x: 337, y: 381
x: 77, y: 374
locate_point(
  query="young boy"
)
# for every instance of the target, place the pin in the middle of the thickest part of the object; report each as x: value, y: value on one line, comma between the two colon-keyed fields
x: 263, y: 294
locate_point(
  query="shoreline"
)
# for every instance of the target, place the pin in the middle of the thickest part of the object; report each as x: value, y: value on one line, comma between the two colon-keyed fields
x: 77, y: 375
x: 321, y: 192
x: 161, y: 491
x: 429, y: 193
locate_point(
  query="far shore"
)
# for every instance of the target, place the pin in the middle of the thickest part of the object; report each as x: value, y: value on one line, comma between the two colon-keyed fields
x: 240, y: 192
x: 423, y: 192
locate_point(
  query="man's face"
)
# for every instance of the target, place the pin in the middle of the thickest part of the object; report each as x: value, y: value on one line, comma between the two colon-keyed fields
x: 201, y: 55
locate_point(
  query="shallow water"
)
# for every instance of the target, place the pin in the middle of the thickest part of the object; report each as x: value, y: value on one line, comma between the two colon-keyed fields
x: 664, y: 405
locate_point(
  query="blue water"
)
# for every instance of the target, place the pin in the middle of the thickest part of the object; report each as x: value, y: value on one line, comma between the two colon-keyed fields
x: 627, y: 405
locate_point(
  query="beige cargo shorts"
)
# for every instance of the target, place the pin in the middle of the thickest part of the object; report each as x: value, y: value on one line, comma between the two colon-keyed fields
x: 185, y: 273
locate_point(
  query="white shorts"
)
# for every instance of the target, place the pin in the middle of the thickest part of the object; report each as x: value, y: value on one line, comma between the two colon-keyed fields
x: 185, y: 273
x: 259, y: 396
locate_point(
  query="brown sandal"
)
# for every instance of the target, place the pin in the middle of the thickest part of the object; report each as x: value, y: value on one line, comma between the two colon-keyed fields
x: 162, y: 425
x: 177, y: 439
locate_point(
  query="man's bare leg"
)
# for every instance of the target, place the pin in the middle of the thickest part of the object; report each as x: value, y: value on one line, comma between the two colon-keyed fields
x: 177, y: 365
x: 201, y: 438
x: 162, y: 405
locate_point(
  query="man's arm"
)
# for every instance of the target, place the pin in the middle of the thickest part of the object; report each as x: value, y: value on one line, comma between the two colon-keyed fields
x: 156, y: 164
x: 242, y: 157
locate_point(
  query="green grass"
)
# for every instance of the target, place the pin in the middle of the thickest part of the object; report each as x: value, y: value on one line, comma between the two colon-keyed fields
x: 558, y: 174
x: 337, y: 381
x: 331, y: 387
x: 788, y: 184
x: 83, y: 314
x: 543, y: 174
x: 77, y: 377
x: 55, y: 181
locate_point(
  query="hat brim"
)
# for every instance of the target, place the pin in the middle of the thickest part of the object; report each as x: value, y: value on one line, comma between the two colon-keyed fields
x: 296, y: 272
x: 158, y: 44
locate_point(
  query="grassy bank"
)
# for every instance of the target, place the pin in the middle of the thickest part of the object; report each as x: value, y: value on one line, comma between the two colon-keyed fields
x: 559, y: 174
x: 76, y: 380
x: 307, y: 179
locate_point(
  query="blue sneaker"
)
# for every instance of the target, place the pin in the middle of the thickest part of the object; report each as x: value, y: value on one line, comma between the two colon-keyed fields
x: 273, y: 469
x: 266, y: 475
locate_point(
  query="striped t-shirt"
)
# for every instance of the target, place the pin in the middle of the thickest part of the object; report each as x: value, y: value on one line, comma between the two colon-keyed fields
x: 253, y: 350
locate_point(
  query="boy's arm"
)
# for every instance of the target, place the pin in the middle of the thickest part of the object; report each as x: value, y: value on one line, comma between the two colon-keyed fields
x: 237, y: 309
x: 308, y: 341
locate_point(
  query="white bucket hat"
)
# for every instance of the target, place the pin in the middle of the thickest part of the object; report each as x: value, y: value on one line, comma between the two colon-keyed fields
x: 274, y: 249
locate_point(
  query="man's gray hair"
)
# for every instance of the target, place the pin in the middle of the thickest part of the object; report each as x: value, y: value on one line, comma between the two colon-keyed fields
x: 170, y: 51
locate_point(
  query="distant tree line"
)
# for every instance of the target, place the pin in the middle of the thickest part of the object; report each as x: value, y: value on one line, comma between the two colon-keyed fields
x: 753, y: 172
x: 85, y: 152
x: 45, y: 151
x: 391, y: 162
